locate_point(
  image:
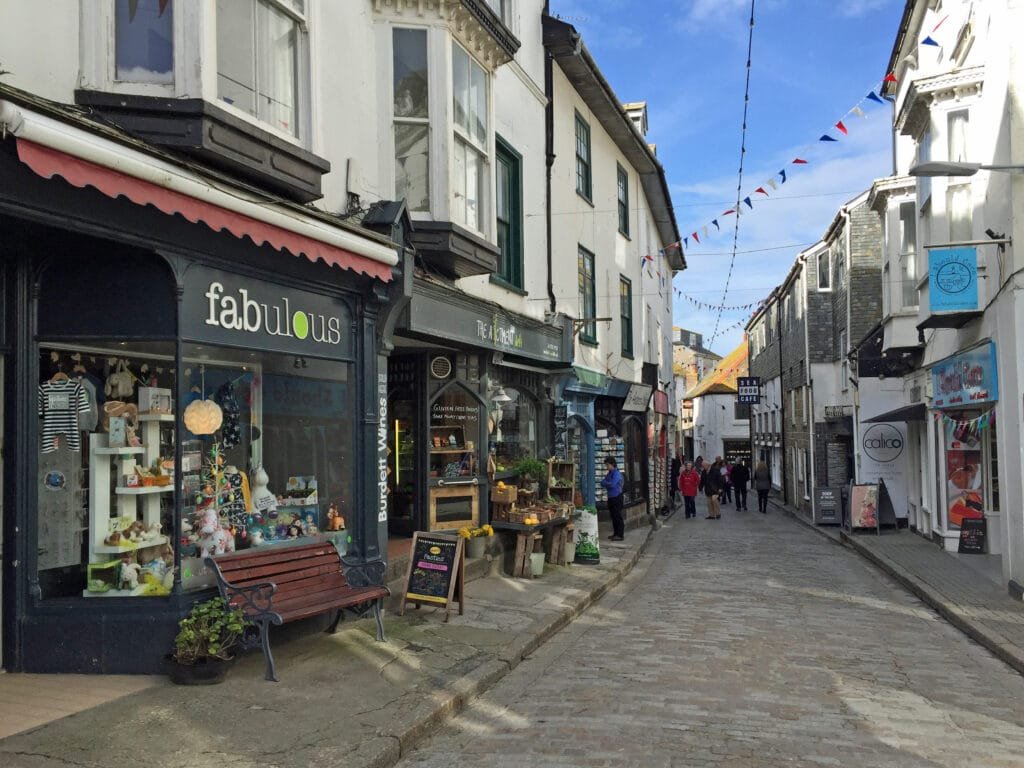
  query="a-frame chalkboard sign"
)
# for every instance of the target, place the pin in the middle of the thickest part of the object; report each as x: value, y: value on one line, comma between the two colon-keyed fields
x: 436, y: 572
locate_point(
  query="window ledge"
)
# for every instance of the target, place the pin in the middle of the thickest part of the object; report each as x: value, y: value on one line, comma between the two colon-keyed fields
x: 584, y: 197
x: 588, y: 341
x: 625, y: 235
x: 503, y: 283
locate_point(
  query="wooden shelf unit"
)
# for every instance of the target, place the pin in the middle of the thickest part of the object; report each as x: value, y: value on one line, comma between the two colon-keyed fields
x: 562, y: 480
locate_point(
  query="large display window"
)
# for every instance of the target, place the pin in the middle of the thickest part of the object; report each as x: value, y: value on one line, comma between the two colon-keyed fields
x: 512, y: 422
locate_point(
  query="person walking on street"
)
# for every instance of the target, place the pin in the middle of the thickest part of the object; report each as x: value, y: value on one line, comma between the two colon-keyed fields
x: 762, y: 484
x: 689, y: 484
x: 739, y: 476
x: 613, y: 483
x: 713, y: 489
x: 726, y: 481
x: 673, y: 479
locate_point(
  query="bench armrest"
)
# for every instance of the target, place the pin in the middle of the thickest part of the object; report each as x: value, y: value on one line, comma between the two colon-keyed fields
x: 255, y: 599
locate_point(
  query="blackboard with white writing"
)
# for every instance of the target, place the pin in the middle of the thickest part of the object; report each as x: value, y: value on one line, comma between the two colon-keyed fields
x: 973, y: 532
x: 435, y: 575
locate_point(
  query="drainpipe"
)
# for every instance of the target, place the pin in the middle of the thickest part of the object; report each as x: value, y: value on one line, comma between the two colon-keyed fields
x: 549, y: 161
x: 782, y: 403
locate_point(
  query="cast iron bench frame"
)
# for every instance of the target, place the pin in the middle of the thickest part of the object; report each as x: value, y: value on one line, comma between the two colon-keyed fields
x: 278, y: 584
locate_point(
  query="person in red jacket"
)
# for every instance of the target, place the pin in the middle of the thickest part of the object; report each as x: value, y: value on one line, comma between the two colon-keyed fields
x: 689, y: 484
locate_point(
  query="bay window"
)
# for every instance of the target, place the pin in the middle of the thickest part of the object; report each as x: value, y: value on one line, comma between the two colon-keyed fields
x: 469, y: 151
x: 259, y: 43
x: 411, y: 90
x: 908, y: 254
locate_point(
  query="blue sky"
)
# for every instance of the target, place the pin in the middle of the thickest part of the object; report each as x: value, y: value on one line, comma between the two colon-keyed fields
x: 811, y: 62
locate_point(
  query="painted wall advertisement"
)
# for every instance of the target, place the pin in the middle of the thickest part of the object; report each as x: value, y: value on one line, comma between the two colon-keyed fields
x: 966, y: 379
x: 883, y: 446
x: 964, y: 475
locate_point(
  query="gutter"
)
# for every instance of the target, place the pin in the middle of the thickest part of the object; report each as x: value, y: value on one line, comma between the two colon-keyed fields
x: 549, y: 162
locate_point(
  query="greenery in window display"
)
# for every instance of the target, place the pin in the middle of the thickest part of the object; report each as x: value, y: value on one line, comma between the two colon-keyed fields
x: 530, y: 469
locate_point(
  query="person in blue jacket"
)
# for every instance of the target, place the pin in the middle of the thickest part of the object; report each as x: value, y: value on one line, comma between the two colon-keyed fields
x: 612, y: 483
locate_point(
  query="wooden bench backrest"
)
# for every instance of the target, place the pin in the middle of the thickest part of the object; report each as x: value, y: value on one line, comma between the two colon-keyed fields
x: 302, y: 569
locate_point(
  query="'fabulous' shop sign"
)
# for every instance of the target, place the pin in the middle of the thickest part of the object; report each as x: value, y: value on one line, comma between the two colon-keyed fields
x: 966, y: 379
x: 235, y: 310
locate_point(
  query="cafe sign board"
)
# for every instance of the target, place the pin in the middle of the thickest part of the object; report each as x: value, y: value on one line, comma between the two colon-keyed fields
x: 748, y: 390
x: 953, y: 279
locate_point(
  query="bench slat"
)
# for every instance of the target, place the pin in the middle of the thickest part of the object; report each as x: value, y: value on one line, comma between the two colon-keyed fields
x: 280, y: 570
x: 300, y: 608
x: 270, y: 554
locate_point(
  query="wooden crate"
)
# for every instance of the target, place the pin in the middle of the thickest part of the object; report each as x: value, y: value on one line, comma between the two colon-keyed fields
x: 526, y: 543
x: 501, y: 512
x: 506, y: 495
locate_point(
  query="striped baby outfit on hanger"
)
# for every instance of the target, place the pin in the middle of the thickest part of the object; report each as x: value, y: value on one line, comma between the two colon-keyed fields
x: 60, y: 402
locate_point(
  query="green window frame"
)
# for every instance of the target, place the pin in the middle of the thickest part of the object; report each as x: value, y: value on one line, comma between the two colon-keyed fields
x: 626, y: 315
x: 508, y: 211
x: 583, y: 173
x: 588, y: 296
x: 622, y: 190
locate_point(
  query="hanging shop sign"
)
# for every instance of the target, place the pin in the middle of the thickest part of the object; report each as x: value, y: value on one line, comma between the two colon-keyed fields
x: 435, y: 575
x: 966, y: 379
x: 953, y: 279
x: 748, y: 390
x: 489, y: 328
x: 661, y: 402
x: 236, y: 310
x: 637, y: 398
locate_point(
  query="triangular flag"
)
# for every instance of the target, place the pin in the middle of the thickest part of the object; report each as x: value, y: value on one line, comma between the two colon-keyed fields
x: 771, y: 183
x: 798, y: 161
x: 929, y: 41
x: 705, y: 232
x: 874, y: 97
x: 761, y: 190
x: 747, y: 201
x: 841, y: 127
x: 941, y: 22
x: 730, y: 211
x: 826, y: 137
x: 686, y: 242
x: 782, y: 173
x: 695, y: 238
x: 715, y: 222
x: 858, y: 111
x: 890, y: 78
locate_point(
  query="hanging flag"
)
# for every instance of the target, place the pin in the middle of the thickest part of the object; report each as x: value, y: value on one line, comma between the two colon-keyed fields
x: 929, y: 41
x: 771, y: 183
x: 715, y: 222
x: 747, y: 201
x: 799, y: 161
x: 858, y: 111
x: 826, y: 137
x: 841, y: 127
x: 695, y: 238
x: 874, y: 97
x: 730, y: 211
x: 782, y: 173
x: 940, y: 23
x: 890, y: 78
x: 761, y: 190
x: 686, y: 242
x: 705, y: 232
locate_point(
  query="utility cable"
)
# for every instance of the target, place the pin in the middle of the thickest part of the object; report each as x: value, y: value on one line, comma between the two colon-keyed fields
x: 739, y: 181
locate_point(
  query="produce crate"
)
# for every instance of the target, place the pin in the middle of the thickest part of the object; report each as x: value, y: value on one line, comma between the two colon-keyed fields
x: 505, y: 495
x: 500, y: 511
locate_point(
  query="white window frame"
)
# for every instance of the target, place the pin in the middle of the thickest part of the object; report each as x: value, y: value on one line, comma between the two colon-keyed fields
x: 844, y: 367
x: 907, y: 211
x: 827, y: 272
x: 484, y: 150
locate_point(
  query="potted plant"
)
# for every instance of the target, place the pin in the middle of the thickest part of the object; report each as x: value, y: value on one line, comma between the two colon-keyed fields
x: 530, y: 471
x: 476, y: 539
x: 204, y: 647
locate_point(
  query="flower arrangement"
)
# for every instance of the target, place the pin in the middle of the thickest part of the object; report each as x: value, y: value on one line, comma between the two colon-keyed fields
x: 471, y: 533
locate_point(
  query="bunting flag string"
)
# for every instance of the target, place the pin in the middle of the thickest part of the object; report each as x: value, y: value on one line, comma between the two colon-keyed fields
x: 967, y: 427
x: 781, y: 177
x: 705, y: 305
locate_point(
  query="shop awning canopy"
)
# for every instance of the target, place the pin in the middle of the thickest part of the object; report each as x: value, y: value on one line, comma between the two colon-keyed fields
x: 52, y: 147
x: 915, y: 412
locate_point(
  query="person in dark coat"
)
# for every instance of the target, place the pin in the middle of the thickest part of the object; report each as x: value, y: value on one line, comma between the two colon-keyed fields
x: 740, y: 476
x: 673, y: 479
x: 713, y: 490
x: 613, y: 482
x: 762, y: 484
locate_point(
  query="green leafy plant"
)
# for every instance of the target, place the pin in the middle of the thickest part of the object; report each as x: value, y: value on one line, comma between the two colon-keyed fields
x: 590, y: 508
x: 529, y: 467
x: 210, y: 631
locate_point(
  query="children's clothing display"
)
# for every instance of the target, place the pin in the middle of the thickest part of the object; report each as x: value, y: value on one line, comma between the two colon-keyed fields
x: 60, y: 403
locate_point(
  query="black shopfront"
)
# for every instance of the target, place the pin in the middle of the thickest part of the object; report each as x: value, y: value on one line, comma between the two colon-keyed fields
x: 116, y: 317
x: 468, y: 396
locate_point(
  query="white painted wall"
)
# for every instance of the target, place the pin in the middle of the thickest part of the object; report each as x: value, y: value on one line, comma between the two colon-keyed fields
x: 715, y: 422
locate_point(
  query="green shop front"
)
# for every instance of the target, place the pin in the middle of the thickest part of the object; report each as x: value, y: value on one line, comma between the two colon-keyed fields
x: 469, y: 386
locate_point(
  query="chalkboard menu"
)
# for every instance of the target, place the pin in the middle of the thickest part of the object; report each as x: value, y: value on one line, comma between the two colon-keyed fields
x: 561, y: 418
x: 435, y: 575
x: 973, y: 532
x: 826, y: 505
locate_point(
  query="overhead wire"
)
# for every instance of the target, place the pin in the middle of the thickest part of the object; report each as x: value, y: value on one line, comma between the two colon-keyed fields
x: 739, y: 180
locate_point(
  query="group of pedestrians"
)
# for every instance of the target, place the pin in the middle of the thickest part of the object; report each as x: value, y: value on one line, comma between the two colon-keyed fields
x: 720, y: 482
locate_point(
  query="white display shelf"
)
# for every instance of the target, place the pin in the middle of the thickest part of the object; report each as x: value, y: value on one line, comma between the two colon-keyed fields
x: 125, y: 451
x: 139, y: 590
x: 107, y: 549
x: 144, y: 490
x: 156, y: 417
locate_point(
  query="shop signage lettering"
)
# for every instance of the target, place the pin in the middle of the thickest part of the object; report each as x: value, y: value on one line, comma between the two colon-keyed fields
x: 500, y: 335
x: 967, y: 378
x: 382, y: 453
x: 748, y: 390
x: 953, y: 279
x: 882, y: 443
x: 245, y: 314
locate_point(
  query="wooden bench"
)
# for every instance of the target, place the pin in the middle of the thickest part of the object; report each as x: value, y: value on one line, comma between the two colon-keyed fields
x: 278, y: 584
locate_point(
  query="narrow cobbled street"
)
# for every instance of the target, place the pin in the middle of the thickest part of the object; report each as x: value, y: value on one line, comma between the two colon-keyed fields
x: 749, y: 641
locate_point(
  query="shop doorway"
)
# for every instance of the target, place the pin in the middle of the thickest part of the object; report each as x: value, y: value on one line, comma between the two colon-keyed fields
x: 3, y: 399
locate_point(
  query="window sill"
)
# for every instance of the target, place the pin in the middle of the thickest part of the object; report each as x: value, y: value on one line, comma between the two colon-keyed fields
x: 625, y: 235
x: 503, y: 283
x: 590, y: 202
x: 627, y: 355
x: 588, y: 341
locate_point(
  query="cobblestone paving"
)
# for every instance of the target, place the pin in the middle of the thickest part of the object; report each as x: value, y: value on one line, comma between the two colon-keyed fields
x: 748, y: 641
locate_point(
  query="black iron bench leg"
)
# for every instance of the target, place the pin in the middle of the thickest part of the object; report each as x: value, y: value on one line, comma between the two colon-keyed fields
x: 264, y: 625
x: 377, y: 604
x: 334, y: 624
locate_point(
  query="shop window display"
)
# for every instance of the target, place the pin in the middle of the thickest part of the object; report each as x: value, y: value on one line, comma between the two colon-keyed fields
x: 278, y: 467
x: 513, y: 426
